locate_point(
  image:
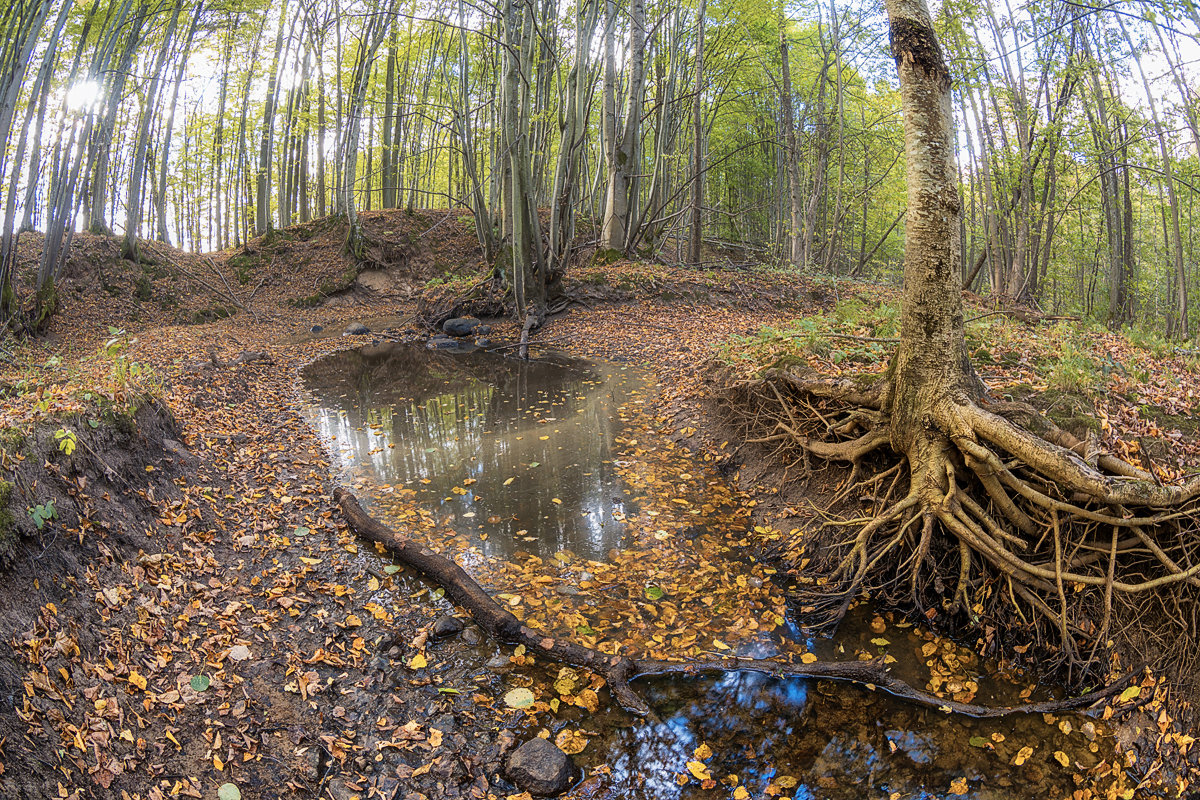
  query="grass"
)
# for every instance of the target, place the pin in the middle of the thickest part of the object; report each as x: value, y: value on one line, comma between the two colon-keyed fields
x: 107, y: 384
x: 820, y: 336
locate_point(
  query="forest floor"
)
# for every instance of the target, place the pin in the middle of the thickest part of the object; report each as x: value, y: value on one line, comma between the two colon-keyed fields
x: 190, y: 613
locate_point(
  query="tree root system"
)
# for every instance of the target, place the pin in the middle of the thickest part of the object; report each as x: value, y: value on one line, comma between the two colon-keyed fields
x: 988, y: 517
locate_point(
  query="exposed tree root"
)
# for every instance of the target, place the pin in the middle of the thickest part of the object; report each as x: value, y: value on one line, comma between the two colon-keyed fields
x: 1023, y: 536
x: 619, y: 671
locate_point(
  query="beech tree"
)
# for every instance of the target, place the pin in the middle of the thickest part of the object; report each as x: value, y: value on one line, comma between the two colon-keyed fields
x: 982, y: 507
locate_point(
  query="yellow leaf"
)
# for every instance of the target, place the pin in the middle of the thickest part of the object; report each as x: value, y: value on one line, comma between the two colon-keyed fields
x: 418, y: 661
x: 1062, y: 758
x: 1023, y: 755
x: 717, y: 643
x: 556, y: 501
x: 703, y: 752
x: 570, y: 742
x: 508, y: 481
x: 786, y: 782
x: 353, y: 621
x: 958, y: 786
x: 740, y: 793
x: 310, y: 561
x: 218, y: 763
x: 808, y: 658
x: 699, y: 771
x: 137, y: 680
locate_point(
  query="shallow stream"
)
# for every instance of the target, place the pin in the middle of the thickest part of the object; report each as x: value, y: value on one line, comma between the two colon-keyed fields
x: 548, y: 467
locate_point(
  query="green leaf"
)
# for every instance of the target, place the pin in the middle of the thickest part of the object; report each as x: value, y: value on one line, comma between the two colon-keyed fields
x: 391, y: 569
x: 654, y: 593
x: 533, y: 464
x: 584, y: 630
x: 439, y: 593
x: 448, y: 690
x: 302, y: 531
x: 977, y: 741
x: 229, y: 792
x: 200, y: 683
x: 1131, y: 693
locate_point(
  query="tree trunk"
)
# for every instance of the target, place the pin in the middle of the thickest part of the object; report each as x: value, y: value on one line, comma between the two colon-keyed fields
x: 791, y: 155
x: 262, y: 179
x: 696, y: 231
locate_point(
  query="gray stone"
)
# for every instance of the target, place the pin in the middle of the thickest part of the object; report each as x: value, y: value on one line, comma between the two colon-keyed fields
x: 471, y: 635
x: 482, y: 330
x: 316, y: 329
x: 357, y: 329
x: 447, y: 626
x: 460, y: 326
x: 540, y: 768
x: 442, y: 342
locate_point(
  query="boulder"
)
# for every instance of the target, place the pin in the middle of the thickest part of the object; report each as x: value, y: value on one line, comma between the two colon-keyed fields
x: 357, y: 329
x: 447, y: 626
x: 460, y: 326
x: 540, y: 768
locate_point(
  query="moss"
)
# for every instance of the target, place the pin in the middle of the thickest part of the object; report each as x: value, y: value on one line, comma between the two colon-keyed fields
x: 604, y: 256
x: 243, y: 267
x: 212, y: 314
x: 143, y: 289
x: 7, y: 519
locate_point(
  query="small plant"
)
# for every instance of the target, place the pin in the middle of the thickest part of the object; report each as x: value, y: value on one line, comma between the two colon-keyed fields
x: 1073, y: 371
x: 66, y: 440
x: 43, y: 513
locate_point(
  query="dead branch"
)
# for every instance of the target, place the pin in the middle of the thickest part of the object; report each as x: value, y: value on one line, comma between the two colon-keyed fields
x: 619, y: 671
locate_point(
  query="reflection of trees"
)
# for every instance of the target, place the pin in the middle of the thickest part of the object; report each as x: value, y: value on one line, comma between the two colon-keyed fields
x: 450, y: 417
x: 837, y: 741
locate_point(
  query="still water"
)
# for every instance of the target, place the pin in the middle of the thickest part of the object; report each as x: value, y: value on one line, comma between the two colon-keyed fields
x: 520, y: 458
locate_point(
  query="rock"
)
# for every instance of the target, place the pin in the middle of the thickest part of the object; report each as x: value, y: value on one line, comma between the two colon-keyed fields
x: 498, y: 663
x: 316, y: 329
x: 540, y: 768
x: 442, y: 342
x: 483, y: 341
x: 239, y: 652
x: 563, y: 588
x: 460, y: 326
x: 357, y: 329
x: 447, y: 626
x: 471, y: 636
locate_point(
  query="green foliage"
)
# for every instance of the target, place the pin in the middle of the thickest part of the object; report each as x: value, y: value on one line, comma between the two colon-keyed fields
x: 1073, y: 370
x: 840, y: 336
x: 1153, y: 342
x: 42, y: 513
x: 66, y: 439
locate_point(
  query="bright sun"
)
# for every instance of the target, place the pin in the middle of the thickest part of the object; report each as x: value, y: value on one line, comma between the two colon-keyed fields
x: 84, y: 96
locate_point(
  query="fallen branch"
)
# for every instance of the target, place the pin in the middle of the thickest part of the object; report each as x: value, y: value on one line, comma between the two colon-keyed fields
x: 619, y: 671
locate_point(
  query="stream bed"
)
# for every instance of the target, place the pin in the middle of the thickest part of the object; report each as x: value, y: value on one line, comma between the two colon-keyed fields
x: 548, y: 483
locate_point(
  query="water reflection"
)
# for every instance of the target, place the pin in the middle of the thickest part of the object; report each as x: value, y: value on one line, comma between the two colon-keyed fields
x: 820, y: 741
x: 482, y: 438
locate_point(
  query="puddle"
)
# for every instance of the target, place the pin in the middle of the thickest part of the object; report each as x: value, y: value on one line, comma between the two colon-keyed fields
x: 479, y: 438
x: 533, y: 474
